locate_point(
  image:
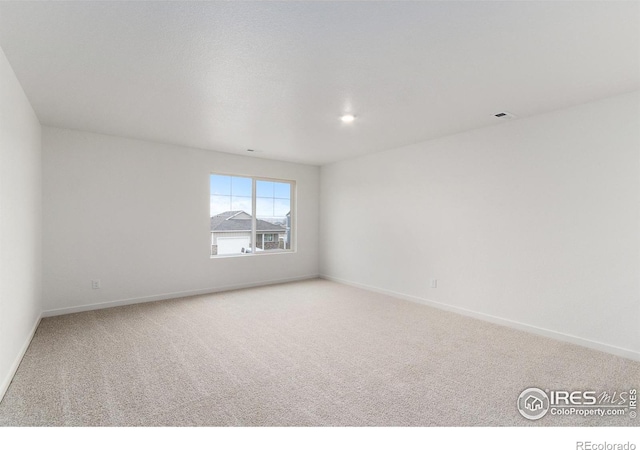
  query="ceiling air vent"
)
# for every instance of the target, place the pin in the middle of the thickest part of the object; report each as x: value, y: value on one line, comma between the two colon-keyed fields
x: 505, y: 115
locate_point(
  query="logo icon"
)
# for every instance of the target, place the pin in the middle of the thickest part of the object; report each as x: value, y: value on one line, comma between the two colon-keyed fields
x: 533, y: 403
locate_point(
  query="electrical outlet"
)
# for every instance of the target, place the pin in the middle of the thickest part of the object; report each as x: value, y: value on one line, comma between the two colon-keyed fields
x: 95, y: 284
x: 434, y: 283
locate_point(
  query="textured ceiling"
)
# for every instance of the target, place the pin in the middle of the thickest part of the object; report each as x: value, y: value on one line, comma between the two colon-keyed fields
x: 275, y: 77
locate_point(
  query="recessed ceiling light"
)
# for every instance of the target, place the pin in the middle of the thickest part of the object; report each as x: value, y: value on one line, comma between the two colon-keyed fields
x: 348, y: 118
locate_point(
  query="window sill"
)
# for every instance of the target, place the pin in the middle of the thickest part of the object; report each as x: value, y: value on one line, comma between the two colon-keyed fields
x: 259, y: 254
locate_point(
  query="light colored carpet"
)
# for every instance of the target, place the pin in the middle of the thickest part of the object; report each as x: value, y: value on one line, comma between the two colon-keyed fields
x: 307, y: 353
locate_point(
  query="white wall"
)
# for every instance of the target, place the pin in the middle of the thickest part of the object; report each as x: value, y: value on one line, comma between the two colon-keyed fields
x: 532, y: 223
x: 20, y: 223
x: 135, y: 215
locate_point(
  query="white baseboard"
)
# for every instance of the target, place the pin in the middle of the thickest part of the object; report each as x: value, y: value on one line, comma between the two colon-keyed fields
x: 18, y: 359
x: 618, y: 351
x: 168, y: 296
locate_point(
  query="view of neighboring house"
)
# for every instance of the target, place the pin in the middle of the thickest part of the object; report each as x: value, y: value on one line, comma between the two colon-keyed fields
x: 231, y: 234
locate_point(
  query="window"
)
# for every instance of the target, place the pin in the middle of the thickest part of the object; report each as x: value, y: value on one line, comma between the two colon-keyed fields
x: 250, y: 215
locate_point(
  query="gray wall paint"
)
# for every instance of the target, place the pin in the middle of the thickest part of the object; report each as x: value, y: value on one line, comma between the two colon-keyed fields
x: 535, y: 221
x: 20, y: 222
x: 135, y: 215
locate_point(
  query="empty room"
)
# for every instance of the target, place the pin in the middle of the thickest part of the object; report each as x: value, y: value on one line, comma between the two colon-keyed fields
x: 320, y: 214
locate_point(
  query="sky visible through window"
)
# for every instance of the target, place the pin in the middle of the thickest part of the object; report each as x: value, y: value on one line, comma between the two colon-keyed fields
x: 232, y: 193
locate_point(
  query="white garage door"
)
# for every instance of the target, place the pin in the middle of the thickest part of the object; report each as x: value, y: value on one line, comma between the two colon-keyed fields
x: 230, y: 245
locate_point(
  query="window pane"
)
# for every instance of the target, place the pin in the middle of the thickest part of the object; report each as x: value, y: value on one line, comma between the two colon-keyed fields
x: 219, y: 204
x: 272, y: 216
x: 230, y: 232
x: 264, y: 207
x: 282, y: 190
x: 221, y: 185
x: 241, y: 204
x: 241, y: 187
x: 264, y: 189
x: 281, y: 207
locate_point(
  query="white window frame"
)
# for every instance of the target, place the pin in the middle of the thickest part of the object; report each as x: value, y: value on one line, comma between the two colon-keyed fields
x: 292, y: 221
